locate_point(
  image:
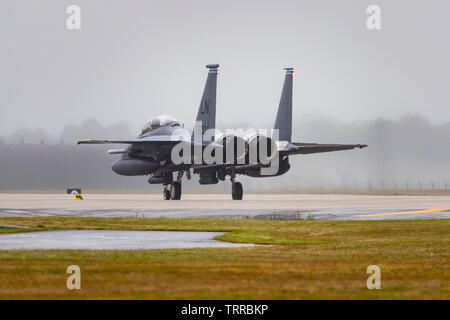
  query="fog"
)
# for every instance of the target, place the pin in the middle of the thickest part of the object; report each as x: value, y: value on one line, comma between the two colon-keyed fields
x: 407, y: 153
x: 131, y: 60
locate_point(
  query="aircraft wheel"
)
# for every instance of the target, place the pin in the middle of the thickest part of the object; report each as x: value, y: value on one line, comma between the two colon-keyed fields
x: 166, y: 193
x: 237, y: 191
x: 175, y: 191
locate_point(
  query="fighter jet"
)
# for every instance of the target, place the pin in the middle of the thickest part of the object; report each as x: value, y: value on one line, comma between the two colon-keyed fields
x: 152, y: 152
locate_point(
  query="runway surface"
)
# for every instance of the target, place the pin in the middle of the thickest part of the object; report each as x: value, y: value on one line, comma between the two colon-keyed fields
x: 259, y: 206
x: 112, y: 240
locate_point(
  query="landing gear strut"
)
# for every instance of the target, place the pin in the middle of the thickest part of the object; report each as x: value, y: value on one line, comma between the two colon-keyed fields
x: 172, y: 191
x: 236, y: 188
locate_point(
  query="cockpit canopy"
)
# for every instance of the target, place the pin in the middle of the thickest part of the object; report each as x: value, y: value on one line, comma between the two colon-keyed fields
x: 161, y: 120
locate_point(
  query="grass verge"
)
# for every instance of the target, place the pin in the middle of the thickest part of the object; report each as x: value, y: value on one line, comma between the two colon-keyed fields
x: 305, y: 260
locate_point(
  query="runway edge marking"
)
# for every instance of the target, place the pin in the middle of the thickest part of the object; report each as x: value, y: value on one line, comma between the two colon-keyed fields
x: 403, y: 212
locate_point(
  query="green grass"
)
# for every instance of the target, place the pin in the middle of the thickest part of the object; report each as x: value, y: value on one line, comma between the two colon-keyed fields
x: 18, y: 230
x: 303, y: 259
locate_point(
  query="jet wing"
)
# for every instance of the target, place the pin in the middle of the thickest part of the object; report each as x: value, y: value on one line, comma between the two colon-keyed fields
x: 151, y: 139
x: 162, y: 141
x: 307, y: 148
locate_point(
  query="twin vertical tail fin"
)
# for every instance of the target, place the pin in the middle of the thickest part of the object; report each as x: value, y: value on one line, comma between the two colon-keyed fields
x: 283, y: 122
x: 207, y: 111
x: 206, y: 115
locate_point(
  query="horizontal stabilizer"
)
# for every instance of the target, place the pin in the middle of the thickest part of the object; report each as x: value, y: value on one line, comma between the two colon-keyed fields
x: 308, y: 148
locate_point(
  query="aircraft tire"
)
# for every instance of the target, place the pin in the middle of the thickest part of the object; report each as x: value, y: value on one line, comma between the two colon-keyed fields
x: 237, y: 191
x: 175, y: 191
x: 166, y: 193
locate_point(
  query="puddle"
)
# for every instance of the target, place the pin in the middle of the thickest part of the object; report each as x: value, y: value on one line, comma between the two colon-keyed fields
x: 112, y: 240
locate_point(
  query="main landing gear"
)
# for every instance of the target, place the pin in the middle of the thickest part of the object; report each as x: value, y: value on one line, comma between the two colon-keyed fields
x: 236, y: 188
x: 166, y: 193
x: 236, y: 191
x: 173, y: 191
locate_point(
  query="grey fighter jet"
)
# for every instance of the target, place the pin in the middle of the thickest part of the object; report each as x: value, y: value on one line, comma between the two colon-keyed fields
x: 151, y: 153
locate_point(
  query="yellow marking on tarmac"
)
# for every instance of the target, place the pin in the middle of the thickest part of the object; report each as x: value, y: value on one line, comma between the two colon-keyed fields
x: 403, y: 212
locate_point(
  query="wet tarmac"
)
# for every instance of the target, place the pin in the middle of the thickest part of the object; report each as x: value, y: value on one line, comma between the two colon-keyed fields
x: 258, y: 206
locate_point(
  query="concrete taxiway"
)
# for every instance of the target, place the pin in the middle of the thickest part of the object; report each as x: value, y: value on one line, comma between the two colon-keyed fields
x: 283, y: 206
x: 112, y: 240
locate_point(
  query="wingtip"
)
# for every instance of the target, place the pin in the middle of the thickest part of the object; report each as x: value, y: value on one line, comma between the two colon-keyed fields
x: 361, y: 146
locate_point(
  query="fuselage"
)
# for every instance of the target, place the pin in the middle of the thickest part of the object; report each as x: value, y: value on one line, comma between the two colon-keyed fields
x: 143, y: 159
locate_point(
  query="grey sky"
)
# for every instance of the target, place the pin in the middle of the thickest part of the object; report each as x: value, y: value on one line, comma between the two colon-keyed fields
x: 134, y: 59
